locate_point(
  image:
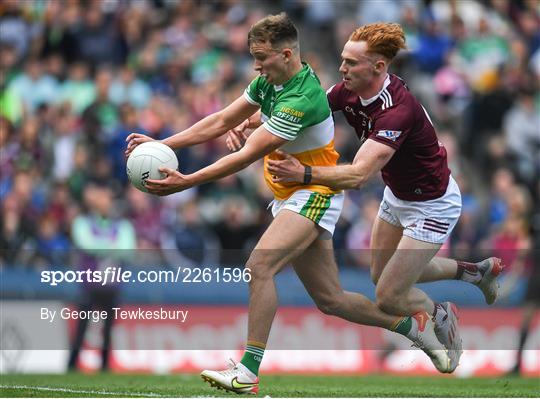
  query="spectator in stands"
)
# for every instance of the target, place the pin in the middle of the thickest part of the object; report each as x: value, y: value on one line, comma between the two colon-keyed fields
x: 17, y: 28
x: 532, y: 295
x: 63, y: 144
x: 359, y: 235
x: 51, y: 247
x: 128, y: 88
x: 236, y: 231
x: 102, y: 241
x: 145, y: 214
x: 13, y: 233
x: 77, y: 90
x: 187, y: 240
x: 101, y: 117
x: 34, y: 86
x: 31, y: 153
x: 502, y: 187
x: 97, y: 39
x: 522, y: 137
x: 128, y: 122
x: 9, y: 149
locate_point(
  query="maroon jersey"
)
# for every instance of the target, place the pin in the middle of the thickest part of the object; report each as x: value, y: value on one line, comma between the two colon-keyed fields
x: 418, y: 171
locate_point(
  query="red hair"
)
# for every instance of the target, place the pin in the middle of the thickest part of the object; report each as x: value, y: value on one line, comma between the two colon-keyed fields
x: 382, y: 38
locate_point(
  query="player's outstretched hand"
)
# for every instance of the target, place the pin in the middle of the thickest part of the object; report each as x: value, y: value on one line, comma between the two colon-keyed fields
x: 173, y: 183
x: 237, y: 136
x: 134, y: 139
x: 288, y: 169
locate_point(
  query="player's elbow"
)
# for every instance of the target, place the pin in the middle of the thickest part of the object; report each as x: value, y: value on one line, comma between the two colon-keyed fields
x: 227, y: 121
x: 245, y: 164
x: 246, y: 157
x: 357, y: 183
x: 363, y: 171
x: 359, y: 178
x: 221, y: 121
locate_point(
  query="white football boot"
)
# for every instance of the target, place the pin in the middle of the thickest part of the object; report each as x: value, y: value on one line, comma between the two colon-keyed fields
x: 490, y: 269
x: 447, y: 332
x: 426, y: 339
x: 236, y: 378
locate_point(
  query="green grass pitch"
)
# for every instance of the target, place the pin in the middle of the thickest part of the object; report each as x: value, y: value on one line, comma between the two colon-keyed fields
x: 181, y: 385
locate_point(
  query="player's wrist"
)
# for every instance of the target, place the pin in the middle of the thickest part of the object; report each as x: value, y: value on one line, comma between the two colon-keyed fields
x: 167, y: 141
x: 308, y: 176
x: 192, y: 179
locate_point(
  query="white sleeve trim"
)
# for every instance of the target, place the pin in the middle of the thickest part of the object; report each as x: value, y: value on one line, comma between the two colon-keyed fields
x: 277, y: 132
x: 249, y: 99
x: 278, y: 124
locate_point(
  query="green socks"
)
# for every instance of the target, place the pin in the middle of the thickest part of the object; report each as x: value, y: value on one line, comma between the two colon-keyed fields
x: 403, y: 326
x: 253, y: 356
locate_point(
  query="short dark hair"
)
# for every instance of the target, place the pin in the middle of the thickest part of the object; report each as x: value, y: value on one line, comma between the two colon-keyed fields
x: 278, y: 30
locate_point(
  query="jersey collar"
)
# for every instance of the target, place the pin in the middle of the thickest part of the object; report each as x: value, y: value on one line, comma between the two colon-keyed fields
x: 282, y: 86
x: 365, y: 103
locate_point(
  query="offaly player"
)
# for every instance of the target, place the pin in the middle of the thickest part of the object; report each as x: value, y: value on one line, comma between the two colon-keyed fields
x: 421, y: 203
x: 296, y: 119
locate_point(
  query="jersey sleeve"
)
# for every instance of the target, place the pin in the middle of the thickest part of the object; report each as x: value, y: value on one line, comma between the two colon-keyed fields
x: 251, y: 94
x: 291, y: 115
x: 392, y: 127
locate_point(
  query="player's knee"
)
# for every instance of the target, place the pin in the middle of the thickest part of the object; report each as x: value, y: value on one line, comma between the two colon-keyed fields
x: 329, y: 304
x: 260, y: 269
x: 387, y: 300
x: 259, y: 272
x: 376, y: 267
x: 375, y: 275
x: 387, y: 305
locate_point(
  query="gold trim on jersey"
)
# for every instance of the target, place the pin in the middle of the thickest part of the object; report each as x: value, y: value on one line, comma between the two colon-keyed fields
x: 323, y: 156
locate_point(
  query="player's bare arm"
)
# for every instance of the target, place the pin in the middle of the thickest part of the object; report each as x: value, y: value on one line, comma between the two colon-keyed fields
x: 236, y: 137
x: 206, y: 129
x: 369, y: 159
x: 258, y: 144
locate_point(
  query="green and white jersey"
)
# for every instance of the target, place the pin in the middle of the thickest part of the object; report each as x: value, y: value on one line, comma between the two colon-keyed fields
x: 297, y: 111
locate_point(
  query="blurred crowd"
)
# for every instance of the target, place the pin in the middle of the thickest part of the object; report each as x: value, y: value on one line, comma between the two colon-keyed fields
x: 78, y: 76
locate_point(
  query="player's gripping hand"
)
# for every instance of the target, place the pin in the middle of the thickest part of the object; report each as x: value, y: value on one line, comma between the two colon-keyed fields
x: 237, y: 136
x: 173, y: 183
x: 286, y: 170
x: 134, y: 139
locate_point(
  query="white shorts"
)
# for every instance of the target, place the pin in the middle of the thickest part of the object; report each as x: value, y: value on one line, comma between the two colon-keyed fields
x: 323, y: 209
x: 429, y: 221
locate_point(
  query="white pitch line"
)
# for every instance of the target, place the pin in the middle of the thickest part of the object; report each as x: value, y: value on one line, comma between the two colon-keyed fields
x: 68, y: 390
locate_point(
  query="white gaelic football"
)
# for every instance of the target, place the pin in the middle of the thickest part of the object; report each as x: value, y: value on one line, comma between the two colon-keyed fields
x: 144, y: 161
